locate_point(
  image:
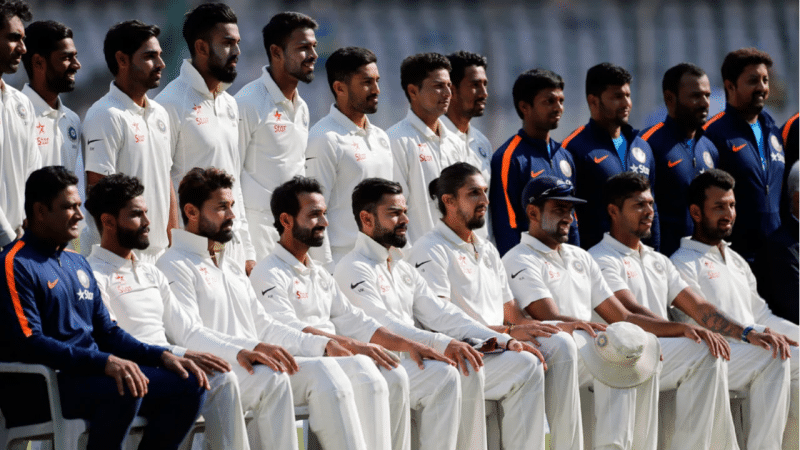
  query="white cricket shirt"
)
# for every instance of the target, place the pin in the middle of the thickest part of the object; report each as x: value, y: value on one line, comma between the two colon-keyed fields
x: 419, y: 157
x: 470, y: 275
x: 648, y: 274
x: 138, y: 297
x: 19, y: 157
x: 340, y: 155
x: 122, y: 137
x: 726, y: 282
x: 58, y: 132
x: 389, y: 289
x: 307, y: 296
x: 479, y: 154
x: 204, y: 132
x: 273, y: 133
x: 568, y: 275
x: 223, y: 298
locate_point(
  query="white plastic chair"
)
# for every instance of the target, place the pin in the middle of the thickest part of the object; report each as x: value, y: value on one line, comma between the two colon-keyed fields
x: 64, y: 433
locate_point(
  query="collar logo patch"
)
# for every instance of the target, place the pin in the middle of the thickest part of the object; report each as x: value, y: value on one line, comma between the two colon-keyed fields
x: 566, y: 169
x: 638, y: 153
x: 83, y: 278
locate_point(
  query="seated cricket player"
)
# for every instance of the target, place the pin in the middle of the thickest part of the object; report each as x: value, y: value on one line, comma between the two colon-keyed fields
x: 718, y: 273
x: 214, y: 289
x: 53, y: 314
x: 375, y: 278
x: 302, y: 294
x: 647, y: 283
x: 138, y: 297
x: 466, y: 269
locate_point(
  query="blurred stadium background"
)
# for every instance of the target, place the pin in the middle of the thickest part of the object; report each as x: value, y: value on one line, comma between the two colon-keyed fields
x: 567, y: 36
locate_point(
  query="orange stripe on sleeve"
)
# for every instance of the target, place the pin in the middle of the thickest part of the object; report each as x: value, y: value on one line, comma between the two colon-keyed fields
x: 572, y: 135
x: 12, y: 288
x: 652, y: 130
x: 785, y: 134
x: 713, y: 119
x: 512, y: 218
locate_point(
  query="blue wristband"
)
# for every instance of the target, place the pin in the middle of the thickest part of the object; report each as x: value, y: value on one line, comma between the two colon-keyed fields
x: 745, y: 333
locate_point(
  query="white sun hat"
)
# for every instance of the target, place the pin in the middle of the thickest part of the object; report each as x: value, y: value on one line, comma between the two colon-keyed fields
x: 623, y: 356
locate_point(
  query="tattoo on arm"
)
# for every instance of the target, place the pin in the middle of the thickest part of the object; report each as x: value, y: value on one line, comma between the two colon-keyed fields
x: 720, y: 323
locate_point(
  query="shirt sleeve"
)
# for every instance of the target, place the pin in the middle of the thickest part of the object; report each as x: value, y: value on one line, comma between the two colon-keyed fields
x: 527, y: 283
x: 7, y: 232
x: 174, y: 124
x: 103, y: 140
x: 505, y: 194
x: 674, y: 281
x: 612, y: 270
x: 321, y: 163
x: 348, y: 319
x: 273, y: 290
x: 368, y: 298
x: 600, y: 288
x: 432, y: 262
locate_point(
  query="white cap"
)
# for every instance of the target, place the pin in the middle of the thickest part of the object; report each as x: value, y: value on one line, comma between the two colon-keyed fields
x: 623, y: 356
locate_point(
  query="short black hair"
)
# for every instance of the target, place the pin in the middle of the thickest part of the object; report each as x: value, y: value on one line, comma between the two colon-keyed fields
x: 285, y: 197
x: 41, y: 38
x: 368, y: 193
x: 450, y: 181
x: 344, y: 62
x: 672, y: 77
x: 623, y: 186
x: 603, y: 75
x: 199, y: 184
x: 530, y: 82
x: 198, y: 22
x: 416, y: 68
x: 696, y: 194
x: 737, y: 60
x: 126, y: 37
x: 44, y: 185
x: 281, y: 26
x: 459, y: 61
x: 111, y: 194
x: 14, y: 8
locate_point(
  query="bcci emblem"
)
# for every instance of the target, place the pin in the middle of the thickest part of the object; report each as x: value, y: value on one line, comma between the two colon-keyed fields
x: 707, y: 159
x: 658, y: 266
x: 407, y: 280
x: 72, y: 133
x: 566, y: 169
x: 231, y: 113
x: 162, y: 127
x: 775, y: 143
x: 384, y: 142
x: 83, y: 278
x: 578, y: 266
x: 638, y: 153
x: 23, y: 113
x: 482, y: 151
x: 602, y: 340
x: 488, y: 262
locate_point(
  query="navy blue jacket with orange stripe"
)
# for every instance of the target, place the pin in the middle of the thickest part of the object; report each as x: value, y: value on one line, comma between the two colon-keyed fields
x: 758, y: 192
x: 596, y: 160
x: 513, y: 165
x: 52, y: 312
x: 676, y: 167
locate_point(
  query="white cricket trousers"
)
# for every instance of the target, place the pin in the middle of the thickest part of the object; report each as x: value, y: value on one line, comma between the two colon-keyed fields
x: 702, y: 408
x: 435, y: 397
x: 372, y: 399
x: 516, y: 380
x: 562, y: 396
x: 625, y: 419
x: 791, y: 437
x: 225, y: 427
x: 767, y: 379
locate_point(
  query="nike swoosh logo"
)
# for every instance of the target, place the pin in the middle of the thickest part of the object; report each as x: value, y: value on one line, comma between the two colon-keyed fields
x: 264, y: 292
x: 736, y: 148
x: 515, y: 275
x: 353, y: 286
x: 672, y: 164
x: 93, y: 140
x: 416, y: 266
x: 52, y: 284
x: 601, y: 159
x: 313, y: 157
x: 536, y: 174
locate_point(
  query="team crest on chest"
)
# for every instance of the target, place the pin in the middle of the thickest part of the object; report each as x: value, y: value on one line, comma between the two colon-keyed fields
x: 566, y: 169
x: 23, y: 113
x: 83, y: 278
x: 231, y: 113
x: 72, y: 133
x: 162, y: 127
x: 384, y: 142
x: 775, y: 143
x: 707, y: 159
x: 577, y: 266
x: 658, y: 266
x: 406, y: 279
x: 488, y: 262
x: 482, y: 151
x: 638, y: 153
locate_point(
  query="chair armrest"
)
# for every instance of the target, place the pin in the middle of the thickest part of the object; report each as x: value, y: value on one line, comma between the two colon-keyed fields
x: 49, y: 374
